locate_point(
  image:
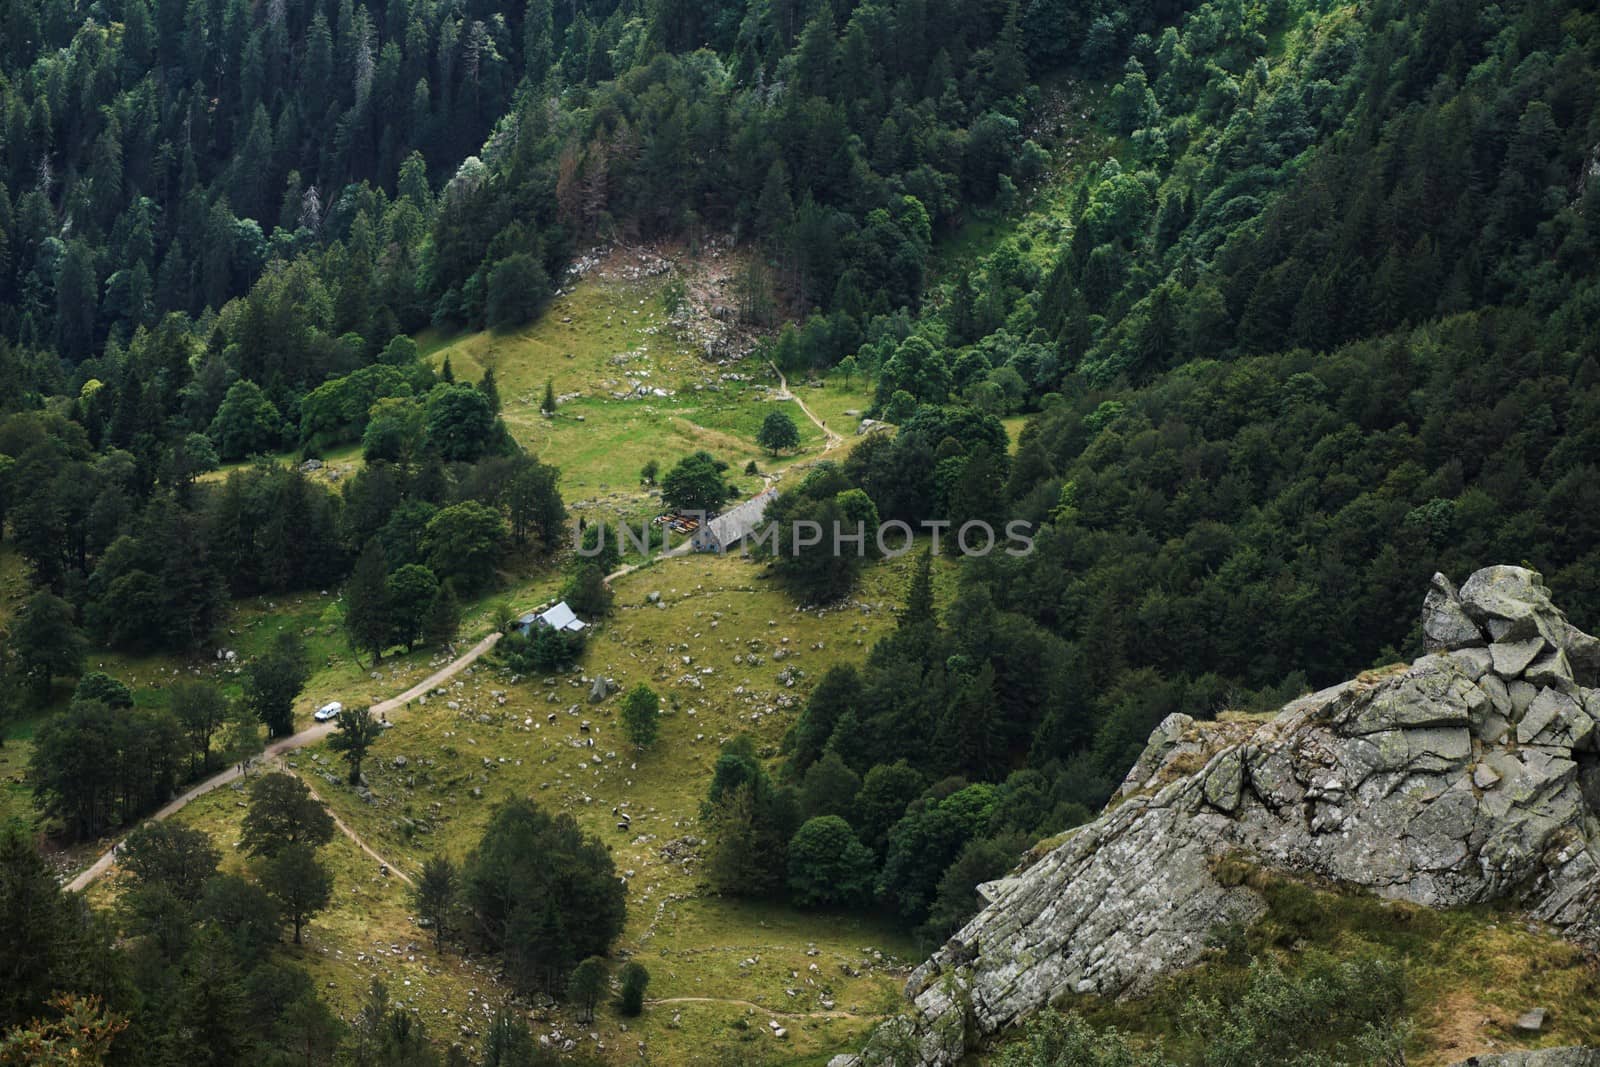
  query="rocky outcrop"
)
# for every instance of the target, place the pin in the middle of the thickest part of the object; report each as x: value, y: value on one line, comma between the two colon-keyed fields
x: 1472, y: 774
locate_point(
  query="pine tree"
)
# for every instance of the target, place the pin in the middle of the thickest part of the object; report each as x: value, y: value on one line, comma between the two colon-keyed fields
x: 919, y: 607
x: 548, y: 404
x: 366, y: 608
x: 487, y: 386
x: 444, y: 615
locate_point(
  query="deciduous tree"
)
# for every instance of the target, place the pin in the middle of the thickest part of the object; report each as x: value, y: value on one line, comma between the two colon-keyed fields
x: 273, y: 680
x: 299, y: 882
x: 283, y: 812
x: 641, y: 715
x: 778, y: 432
x: 46, y: 642
x: 357, y: 732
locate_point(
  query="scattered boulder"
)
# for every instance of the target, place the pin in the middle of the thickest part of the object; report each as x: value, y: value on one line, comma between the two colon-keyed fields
x: 1530, y: 1021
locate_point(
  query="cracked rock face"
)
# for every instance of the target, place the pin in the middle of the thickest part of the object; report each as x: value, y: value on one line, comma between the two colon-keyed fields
x: 1471, y: 775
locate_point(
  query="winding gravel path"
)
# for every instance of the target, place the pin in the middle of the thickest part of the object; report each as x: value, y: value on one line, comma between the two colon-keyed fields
x: 833, y: 440
x: 310, y: 735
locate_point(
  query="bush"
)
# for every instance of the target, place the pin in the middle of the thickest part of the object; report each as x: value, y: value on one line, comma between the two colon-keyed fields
x: 539, y: 651
x: 586, y: 591
x: 635, y: 980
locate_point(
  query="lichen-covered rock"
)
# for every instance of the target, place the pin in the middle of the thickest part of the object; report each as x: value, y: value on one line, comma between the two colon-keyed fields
x: 1468, y: 776
x: 1165, y: 741
x: 1511, y: 658
x: 1507, y: 601
x: 1445, y: 623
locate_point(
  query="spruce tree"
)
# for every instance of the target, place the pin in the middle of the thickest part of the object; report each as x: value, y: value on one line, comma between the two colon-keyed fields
x: 489, y: 389
x: 444, y: 615
x: 919, y: 598
x: 437, y: 896
x: 366, y: 607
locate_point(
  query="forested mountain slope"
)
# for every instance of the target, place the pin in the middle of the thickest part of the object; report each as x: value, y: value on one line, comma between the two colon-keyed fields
x: 1313, y: 321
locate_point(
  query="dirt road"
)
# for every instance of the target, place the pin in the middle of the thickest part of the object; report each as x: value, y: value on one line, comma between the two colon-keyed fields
x: 310, y: 735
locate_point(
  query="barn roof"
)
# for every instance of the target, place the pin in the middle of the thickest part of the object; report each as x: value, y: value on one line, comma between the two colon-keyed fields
x: 739, y: 522
x: 562, y: 617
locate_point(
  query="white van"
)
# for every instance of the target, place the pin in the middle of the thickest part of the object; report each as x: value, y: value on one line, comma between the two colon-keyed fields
x: 328, y: 711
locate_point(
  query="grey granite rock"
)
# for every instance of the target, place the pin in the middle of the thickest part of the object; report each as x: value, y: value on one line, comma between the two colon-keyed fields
x: 1449, y: 782
x: 1551, y: 669
x: 1511, y: 595
x: 1531, y: 1020
x: 1164, y: 742
x: 1445, y: 623
x: 1511, y: 658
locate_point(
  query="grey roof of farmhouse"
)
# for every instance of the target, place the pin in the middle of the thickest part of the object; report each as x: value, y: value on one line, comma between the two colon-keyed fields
x: 738, y: 522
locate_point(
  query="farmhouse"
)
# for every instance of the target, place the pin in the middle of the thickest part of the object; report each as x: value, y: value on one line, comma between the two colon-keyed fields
x: 732, y: 526
x: 560, y: 617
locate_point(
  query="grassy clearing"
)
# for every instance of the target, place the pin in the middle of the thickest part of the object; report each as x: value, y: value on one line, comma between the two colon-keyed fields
x: 496, y: 742
x: 15, y: 802
x: 1014, y: 425
x: 13, y: 582
x: 605, y: 338
x: 1471, y: 971
x: 337, y: 464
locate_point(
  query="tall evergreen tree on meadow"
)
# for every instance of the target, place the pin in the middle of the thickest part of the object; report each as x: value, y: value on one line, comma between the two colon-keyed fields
x: 367, y: 619
x: 443, y: 620
x: 437, y: 897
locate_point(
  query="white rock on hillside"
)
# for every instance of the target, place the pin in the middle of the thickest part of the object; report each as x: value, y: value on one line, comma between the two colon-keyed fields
x: 1473, y: 774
